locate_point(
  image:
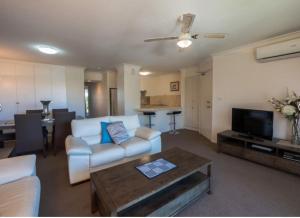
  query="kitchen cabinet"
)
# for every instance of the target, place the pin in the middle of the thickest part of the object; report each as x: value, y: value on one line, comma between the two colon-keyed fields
x: 7, y: 91
x: 43, y: 84
x: 25, y: 91
x: 23, y: 85
x: 59, y: 95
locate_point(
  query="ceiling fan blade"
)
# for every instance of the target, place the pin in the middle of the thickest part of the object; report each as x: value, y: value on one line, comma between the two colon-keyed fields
x: 187, y: 21
x: 161, y: 39
x: 215, y: 35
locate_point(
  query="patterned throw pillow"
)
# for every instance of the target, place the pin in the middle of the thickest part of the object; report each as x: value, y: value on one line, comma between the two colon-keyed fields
x: 118, y: 132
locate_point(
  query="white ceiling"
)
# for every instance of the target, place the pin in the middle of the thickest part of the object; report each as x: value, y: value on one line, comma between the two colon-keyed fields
x: 106, y: 33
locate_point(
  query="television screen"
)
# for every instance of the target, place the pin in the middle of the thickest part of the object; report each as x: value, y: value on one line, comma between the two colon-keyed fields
x: 253, y: 122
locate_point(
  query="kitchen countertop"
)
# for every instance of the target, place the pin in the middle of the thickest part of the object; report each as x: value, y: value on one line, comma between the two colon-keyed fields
x: 158, y: 108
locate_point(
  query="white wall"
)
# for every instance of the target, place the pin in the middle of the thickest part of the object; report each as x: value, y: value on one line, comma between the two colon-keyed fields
x: 240, y: 81
x: 160, y: 84
x: 93, y: 76
x: 120, y: 92
x: 112, y: 79
x: 128, y: 81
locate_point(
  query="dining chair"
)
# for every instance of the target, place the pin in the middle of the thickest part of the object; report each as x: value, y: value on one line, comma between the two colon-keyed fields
x: 44, y: 128
x: 29, y: 134
x: 57, y: 110
x: 61, y: 128
x: 34, y: 112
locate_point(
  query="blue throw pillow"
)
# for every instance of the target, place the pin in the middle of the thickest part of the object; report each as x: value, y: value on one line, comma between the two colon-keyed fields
x: 105, y: 137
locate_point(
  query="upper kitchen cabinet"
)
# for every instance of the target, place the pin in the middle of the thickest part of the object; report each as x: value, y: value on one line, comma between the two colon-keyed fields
x: 23, y: 85
x: 8, y: 98
x: 50, y: 84
x: 59, y: 95
x: 43, y: 83
x: 25, y: 90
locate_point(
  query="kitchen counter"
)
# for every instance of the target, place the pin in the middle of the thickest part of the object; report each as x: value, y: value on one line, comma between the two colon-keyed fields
x: 161, y: 120
x: 158, y: 108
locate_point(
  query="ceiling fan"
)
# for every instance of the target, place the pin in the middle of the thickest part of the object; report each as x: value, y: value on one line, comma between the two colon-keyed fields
x: 185, y: 38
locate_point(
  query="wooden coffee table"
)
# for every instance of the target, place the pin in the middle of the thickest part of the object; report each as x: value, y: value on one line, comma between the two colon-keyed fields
x: 124, y: 191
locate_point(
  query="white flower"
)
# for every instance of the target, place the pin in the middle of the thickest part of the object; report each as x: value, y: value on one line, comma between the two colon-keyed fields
x: 288, y: 110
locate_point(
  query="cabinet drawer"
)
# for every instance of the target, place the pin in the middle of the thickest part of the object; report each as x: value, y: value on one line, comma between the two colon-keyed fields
x: 234, y: 150
x: 288, y: 165
x: 259, y: 157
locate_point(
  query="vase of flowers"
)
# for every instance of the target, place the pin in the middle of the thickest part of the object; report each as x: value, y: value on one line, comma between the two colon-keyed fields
x: 290, y: 108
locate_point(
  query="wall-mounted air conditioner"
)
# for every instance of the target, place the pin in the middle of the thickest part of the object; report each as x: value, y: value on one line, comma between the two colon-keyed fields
x: 277, y: 51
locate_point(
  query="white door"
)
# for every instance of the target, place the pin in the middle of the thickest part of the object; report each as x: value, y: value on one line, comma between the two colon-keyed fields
x: 188, y: 103
x: 25, y: 87
x: 8, y: 99
x: 192, y: 102
x: 195, y: 101
x: 59, y: 96
x: 43, y: 84
x: 205, y: 120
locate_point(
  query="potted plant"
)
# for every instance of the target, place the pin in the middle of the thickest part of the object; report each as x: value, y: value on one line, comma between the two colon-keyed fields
x: 290, y: 108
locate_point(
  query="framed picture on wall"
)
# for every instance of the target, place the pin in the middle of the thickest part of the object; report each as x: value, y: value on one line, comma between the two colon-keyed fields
x: 174, y: 86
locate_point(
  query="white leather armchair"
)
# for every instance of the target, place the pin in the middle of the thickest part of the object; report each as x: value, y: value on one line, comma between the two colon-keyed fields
x: 86, y: 154
x: 19, y: 187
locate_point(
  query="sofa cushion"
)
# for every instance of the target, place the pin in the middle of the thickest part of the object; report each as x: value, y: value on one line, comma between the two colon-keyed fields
x: 131, y: 123
x: 77, y: 146
x: 12, y: 169
x: 92, y: 140
x: 87, y: 127
x: 20, y: 198
x: 106, y: 153
x: 147, y: 133
x: 135, y: 146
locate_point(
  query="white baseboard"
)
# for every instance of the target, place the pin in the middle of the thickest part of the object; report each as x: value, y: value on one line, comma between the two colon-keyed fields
x: 193, y: 129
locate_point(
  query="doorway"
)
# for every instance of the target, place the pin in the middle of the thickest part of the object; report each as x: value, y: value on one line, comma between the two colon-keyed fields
x: 113, y: 102
x: 95, y: 101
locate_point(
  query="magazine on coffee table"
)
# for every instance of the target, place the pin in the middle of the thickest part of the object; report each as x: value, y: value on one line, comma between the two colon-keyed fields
x: 155, y: 168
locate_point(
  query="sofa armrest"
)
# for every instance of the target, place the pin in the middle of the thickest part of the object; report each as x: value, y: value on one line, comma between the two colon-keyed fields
x: 147, y: 133
x: 77, y: 146
x: 15, y: 168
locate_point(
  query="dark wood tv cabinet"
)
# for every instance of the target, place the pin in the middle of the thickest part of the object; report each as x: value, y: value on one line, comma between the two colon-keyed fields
x: 272, y: 153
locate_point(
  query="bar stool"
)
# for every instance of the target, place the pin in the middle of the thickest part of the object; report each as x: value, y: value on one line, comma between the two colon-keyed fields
x: 149, y: 114
x: 173, y: 121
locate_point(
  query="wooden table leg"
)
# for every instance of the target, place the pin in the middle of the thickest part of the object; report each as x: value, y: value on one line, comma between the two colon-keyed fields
x: 94, y: 207
x: 209, y: 179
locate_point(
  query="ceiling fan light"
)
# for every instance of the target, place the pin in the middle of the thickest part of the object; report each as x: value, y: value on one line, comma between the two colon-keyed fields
x: 184, y: 43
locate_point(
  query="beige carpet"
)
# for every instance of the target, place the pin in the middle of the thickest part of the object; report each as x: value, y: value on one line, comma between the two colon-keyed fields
x: 240, y: 188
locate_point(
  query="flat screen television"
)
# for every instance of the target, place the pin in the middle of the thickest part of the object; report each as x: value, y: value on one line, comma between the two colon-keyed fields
x: 255, y: 123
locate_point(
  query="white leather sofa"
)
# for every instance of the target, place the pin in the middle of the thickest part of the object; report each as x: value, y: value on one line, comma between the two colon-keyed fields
x: 19, y: 187
x: 86, y: 154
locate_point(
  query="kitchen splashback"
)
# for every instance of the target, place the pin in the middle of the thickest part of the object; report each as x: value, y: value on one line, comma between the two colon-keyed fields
x: 167, y: 100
